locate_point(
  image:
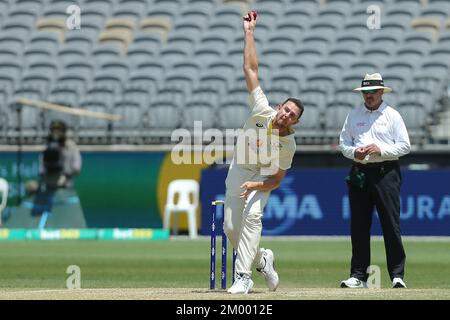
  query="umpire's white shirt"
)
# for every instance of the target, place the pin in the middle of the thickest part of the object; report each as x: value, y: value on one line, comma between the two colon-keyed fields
x: 383, y: 127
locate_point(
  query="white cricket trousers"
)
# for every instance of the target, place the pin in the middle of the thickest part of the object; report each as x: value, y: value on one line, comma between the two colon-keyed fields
x: 242, y: 217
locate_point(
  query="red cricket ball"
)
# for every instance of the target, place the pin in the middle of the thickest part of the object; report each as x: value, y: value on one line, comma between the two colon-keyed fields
x: 253, y: 13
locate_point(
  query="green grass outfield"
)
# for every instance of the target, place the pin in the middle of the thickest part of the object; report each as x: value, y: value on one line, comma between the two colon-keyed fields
x: 308, y: 269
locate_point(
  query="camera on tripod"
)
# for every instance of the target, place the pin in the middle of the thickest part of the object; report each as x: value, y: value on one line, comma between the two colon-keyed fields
x: 53, y: 155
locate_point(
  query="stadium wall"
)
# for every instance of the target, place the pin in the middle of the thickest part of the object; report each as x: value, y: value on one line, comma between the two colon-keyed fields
x: 127, y: 189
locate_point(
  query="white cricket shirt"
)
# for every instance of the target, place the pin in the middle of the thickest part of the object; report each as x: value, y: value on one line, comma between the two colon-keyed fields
x: 261, y: 120
x: 383, y: 127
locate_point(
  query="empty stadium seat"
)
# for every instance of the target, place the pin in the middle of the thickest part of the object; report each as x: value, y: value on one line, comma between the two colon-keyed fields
x: 282, y: 79
x: 20, y: 28
x: 138, y: 94
x: 165, y: 93
x: 400, y: 66
x: 63, y: 96
x: 327, y: 25
x: 165, y: 9
x: 163, y: 115
x: 40, y: 82
x: 213, y: 40
x: 400, y: 10
x: 343, y: 53
x: 108, y: 79
x: 224, y: 28
x: 139, y: 53
x: 274, y: 55
x: 377, y: 54
x: 289, y: 27
x: 386, y: 38
x: 356, y: 25
x: 142, y: 79
x: 11, y: 47
x: 316, y: 40
x: 314, y: 96
x: 282, y: 40
x: 439, y: 10
x: 180, y: 80
x: 78, y: 41
x: 153, y: 68
x: 349, y: 97
x: 199, y: 111
x: 414, y: 116
x: 102, y: 53
x: 309, y: 55
x: 322, y: 80
x: 429, y: 80
x: 310, y: 120
x: 133, y: 9
x: 204, y: 93
x: 359, y: 10
x: 31, y: 117
x: 44, y: 66
x: 351, y: 40
x: 311, y: 6
x: 93, y: 124
x: 76, y: 80
x: 151, y: 40
x: 364, y: 66
x: 396, y: 24
x: 277, y: 94
x: 158, y: 25
x: 207, y: 54
x: 433, y: 65
x: 440, y: 52
x: 232, y: 115
x: 411, y: 53
x: 334, y: 11
x: 131, y: 116
x: 335, y: 115
x: 395, y: 80
x: 117, y: 67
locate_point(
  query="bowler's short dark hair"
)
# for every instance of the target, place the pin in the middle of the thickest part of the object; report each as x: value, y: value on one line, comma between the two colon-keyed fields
x: 298, y: 103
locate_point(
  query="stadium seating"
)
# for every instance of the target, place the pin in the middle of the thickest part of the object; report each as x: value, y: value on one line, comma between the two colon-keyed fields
x: 165, y: 64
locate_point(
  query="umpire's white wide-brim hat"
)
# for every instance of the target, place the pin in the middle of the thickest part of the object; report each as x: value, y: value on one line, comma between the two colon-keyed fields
x: 373, y: 81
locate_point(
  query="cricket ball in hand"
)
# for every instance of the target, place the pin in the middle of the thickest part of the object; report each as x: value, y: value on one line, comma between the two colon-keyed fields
x: 253, y: 13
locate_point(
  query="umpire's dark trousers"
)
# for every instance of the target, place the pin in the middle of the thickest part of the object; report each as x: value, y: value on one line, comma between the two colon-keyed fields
x: 381, y: 190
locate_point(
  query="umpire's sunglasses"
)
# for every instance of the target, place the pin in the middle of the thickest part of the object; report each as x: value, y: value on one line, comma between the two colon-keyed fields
x: 370, y: 91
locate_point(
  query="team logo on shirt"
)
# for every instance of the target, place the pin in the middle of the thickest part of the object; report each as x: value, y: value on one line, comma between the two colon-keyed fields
x: 259, y: 125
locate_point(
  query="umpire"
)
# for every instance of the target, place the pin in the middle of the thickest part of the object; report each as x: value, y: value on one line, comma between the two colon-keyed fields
x: 374, y: 136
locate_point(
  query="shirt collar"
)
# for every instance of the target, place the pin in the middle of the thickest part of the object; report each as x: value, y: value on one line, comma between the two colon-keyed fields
x: 380, y: 109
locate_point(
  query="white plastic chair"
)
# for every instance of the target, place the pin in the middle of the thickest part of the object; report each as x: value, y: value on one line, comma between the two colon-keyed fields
x: 183, y: 188
x: 4, y: 192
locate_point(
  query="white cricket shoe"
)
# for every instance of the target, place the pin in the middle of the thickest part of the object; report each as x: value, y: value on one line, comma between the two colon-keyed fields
x: 398, y: 283
x: 268, y: 270
x: 242, y: 284
x: 353, y: 283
